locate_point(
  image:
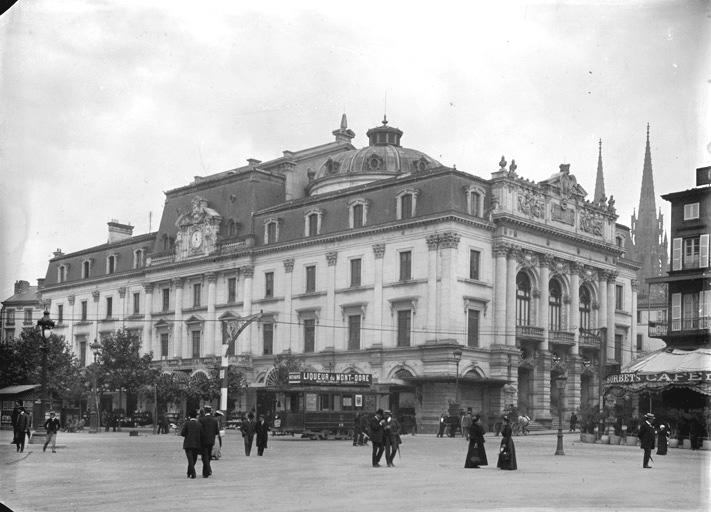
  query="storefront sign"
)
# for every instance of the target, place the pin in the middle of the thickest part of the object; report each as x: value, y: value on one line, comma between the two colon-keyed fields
x: 330, y: 378
x: 662, y: 377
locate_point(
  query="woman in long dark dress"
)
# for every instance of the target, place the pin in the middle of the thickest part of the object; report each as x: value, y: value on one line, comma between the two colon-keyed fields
x: 662, y: 437
x: 476, y: 455
x: 507, y: 451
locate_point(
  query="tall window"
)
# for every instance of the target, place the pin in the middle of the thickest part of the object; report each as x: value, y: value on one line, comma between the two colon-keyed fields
x: 268, y: 338
x: 309, y: 334
x: 166, y: 299
x: 474, y: 257
x: 84, y: 307
x: 639, y: 342
x: 138, y: 258
x: 197, y: 289
x: 555, y: 301
x: 618, y: 348
x: 109, y: 307
x: 164, y: 344
x: 268, y: 284
x: 523, y: 299
x: 313, y: 224
x: 136, y: 303
x: 10, y: 317
x: 355, y: 272
x: 474, y: 203
x: 62, y: 274
x: 691, y: 211
x: 619, y: 297
x: 473, y: 328
x: 310, y: 278
x: 82, y: 352
x: 353, y: 332
x: 231, y: 290
x: 111, y: 265
x: 406, y: 206
x: 584, y: 307
x: 28, y: 316
x: 196, y: 344
x: 60, y: 313
x: 358, y: 215
x: 690, y: 311
x: 691, y: 252
x: 85, y: 266
x: 405, y: 265
x: 404, y: 323
x: 271, y: 232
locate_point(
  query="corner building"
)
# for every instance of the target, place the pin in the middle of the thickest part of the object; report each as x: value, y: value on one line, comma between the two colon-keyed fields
x: 376, y: 260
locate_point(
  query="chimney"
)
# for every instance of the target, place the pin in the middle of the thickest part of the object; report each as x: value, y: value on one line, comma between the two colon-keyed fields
x: 58, y: 253
x: 118, y: 231
x: 21, y: 286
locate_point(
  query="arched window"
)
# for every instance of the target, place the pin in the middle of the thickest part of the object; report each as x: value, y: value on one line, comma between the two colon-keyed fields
x: 85, y: 268
x: 523, y: 299
x: 555, y: 300
x: 271, y: 231
x: 111, y: 264
x: 61, y: 274
x: 138, y: 258
x: 585, y: 307
x: 313, y: 220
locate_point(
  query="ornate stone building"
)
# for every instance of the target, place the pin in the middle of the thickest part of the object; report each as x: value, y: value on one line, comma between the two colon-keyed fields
x: 375, y: 260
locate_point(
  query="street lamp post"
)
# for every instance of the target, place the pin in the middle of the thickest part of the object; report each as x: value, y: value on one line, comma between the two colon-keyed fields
x: 93, y: 413
x: 457, y: 357
x: 45, y: 326
x: 560, y: 384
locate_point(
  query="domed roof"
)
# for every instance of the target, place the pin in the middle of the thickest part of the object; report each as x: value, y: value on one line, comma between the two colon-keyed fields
x: 382, y: 158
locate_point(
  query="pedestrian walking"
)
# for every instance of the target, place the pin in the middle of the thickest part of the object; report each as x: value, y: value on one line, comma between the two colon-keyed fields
x: 662, y: 439
x: 210, y: 430
x: 192, y: 432
x: 507, y: 450
x: 646, y: 436
x: 261, y: 429
x: 467, y: 423
x: 13, y: 419
x: 51, y: 426
x: 442, y: 424
x: 391, y: 438
x: 22, y: 429
x: 573, y: 421
x: 247, y: 428
x: 376, y: 435
x: 476, y: 455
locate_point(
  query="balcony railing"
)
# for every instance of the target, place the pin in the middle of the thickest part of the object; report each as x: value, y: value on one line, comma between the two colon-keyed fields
x: 679, y: 326
x: 589, y: 338
x: 562, y: 337
x: 529, y: 331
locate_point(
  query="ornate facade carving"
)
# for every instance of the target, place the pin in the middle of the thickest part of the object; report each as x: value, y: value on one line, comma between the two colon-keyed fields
x: 289, y: 265
x: 248, y: 271
x: 122, y: 292
x: 95, y: 294
x: 210, y: 277
x: 379, y: 251
x: 432, y: 242
x: 591, y: 222
x: 71, y: 299
x: 525, y: 258
x: 531, y: 203
x: 331, y: 258
x: 177, y: 282
x: 449, y: 240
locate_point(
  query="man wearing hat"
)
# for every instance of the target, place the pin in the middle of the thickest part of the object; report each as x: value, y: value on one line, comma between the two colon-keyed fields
x: 646, y: 435
x: 376, y: 434
x: 210, y: 430
x: 52, y: 427
x: 391, y: 437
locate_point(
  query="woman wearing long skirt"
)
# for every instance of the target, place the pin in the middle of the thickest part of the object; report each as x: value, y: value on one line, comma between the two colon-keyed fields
x: 662, y: 437
x: 507, y: 451
x: 476, y: 455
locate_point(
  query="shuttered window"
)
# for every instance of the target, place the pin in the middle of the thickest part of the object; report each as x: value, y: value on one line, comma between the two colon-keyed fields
x: 676, y: 311
x: 704, y: 251
x: 676, y: 254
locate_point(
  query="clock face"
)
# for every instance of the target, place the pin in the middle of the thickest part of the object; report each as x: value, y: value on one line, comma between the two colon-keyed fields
x: 196, y: 239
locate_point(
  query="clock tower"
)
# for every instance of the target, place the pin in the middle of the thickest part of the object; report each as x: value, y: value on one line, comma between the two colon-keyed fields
x: 198, y: 227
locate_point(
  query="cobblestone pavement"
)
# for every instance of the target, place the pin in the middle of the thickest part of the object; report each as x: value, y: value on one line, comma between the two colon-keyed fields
x: 116, y: 472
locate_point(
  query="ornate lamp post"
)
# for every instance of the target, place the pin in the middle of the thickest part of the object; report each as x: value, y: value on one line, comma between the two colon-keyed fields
x: 93, y: 413
x: 45, y: 326
x: 457, y: 357
x: 560, y: 382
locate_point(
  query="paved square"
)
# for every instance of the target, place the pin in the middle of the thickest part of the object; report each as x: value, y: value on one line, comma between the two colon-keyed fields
x: 115, y: 472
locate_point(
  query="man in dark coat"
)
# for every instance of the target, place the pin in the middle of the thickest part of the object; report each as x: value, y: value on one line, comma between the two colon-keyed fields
x: 13, y: 418
x: 573, y: 421
x: 391, y: 438
x: 262, y: 431
x: 192, y: 432
x: 22, y: 428
x: 443, y: 420
x: 377, y: 436
x: 52, y: 427
x: 248, y: 428
x: 647, y: 436
x: 210, y: 429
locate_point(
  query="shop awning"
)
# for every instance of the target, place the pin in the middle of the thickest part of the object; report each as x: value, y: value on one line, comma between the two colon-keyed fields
x: 664, y: 369
x: 16, y: 390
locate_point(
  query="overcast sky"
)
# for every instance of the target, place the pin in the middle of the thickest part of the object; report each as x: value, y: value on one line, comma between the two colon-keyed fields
x: 106, y: 104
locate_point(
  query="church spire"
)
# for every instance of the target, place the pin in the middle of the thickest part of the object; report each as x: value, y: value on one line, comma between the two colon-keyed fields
x: 599, y: 180
x: 647, y: 201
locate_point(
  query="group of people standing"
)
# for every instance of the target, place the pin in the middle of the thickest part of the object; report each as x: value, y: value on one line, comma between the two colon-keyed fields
x: 384, y: 433
x: 250, y: 429
x: 199, y: 438
x: 648, y: 434
x: 476, y: 454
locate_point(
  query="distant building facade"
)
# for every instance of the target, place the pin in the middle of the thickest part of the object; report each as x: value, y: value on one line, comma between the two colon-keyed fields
x: 21, y: 310
x: 376, y: 260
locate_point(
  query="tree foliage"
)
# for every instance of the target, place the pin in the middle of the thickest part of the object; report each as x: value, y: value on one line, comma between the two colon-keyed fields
x: 121, y: 364
x: 286, y: 363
